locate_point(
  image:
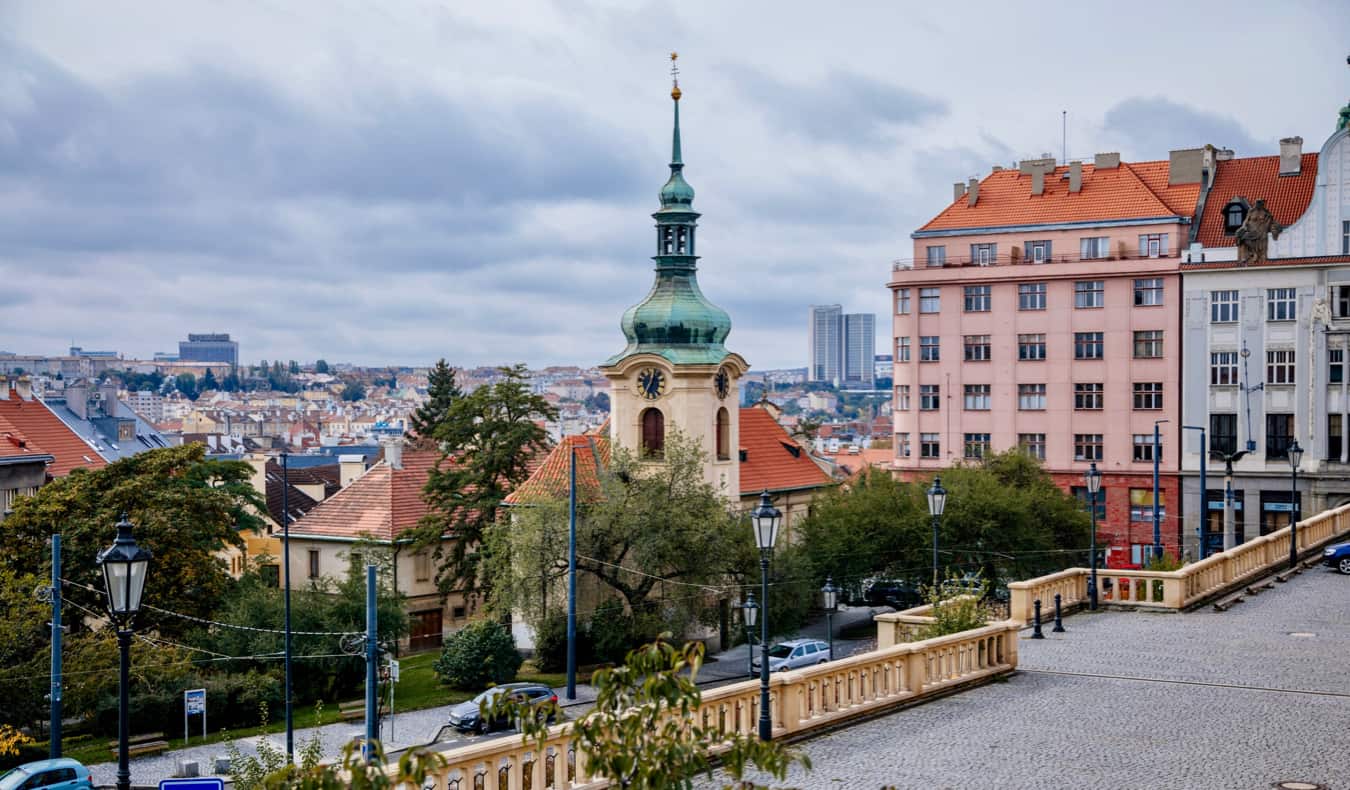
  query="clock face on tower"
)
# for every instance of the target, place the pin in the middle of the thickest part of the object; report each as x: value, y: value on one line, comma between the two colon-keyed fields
x: 651, y: 383
x: 722, y: 382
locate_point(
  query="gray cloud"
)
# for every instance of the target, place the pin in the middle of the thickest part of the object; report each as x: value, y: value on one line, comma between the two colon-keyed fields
x: 1148, y: 127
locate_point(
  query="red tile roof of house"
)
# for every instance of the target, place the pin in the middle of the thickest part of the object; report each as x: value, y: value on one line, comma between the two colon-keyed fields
x: 1134, y: 190
x: 381, y: 504
x: 1256, y: 178
x: 551, y: 478
x: 41, y: 426
x: 13, y: 444
x: 1313, y: 260
x: 773, y: 460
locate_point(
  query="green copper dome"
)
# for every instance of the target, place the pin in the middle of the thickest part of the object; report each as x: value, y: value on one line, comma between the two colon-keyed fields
x: 676, y: 320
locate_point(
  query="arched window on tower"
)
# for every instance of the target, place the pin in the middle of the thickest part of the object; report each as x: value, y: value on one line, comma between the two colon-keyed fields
x: 681, y: 241
x: 653, y: 433
x: 723, y: 435
x: 667, y: 240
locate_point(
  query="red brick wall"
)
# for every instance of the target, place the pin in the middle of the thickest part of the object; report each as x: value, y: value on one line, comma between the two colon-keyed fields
x: 1117, y: 529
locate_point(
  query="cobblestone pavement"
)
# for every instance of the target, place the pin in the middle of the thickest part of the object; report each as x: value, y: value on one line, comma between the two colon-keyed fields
x: 1041, y: 729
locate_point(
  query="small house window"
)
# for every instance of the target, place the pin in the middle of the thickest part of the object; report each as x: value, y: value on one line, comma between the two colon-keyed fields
x: 1234, y: 214
x: 723, y: 435
x: 653, y: 433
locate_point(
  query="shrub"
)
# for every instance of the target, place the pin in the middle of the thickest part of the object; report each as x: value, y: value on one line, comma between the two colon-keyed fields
x: 550, y: 643
x: 957, y: 606
x: 611, y: 631
x: 477, y: 655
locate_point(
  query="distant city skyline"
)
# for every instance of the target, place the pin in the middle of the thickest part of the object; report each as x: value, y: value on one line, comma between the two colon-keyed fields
x: 397, y: 183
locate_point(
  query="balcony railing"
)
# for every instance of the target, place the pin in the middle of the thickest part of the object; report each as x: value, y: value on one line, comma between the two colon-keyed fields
x: 959, y: 262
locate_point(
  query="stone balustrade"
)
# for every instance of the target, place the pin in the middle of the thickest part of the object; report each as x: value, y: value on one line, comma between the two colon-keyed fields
x: 801, y: 701
x: 1182, y: 588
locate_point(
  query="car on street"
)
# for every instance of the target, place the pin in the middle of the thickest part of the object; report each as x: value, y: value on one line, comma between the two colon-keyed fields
x: 1338, y: 557
x: 894, y: 593
x: 794, y: 653
x: 467, y: 716
x: 59, y: 774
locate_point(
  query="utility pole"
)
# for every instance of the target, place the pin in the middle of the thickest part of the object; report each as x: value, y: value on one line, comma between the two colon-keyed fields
x: 372, y: 670
x: 286, y: 593
x: 55, y: 695
x: 572, y: 579
x: 1204, y: 490
x: 1157, y: 512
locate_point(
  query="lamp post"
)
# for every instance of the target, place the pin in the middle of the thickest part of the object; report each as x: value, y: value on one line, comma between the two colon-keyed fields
x: 124, y: 566
x: 766, y: 519
x: 1094, y: 484
x: 1229, y: 534
x: 1295, y: 457
x: 937, y: 502
x: 749, y: 612
x: 1157, y: 512
x: 831, y: 594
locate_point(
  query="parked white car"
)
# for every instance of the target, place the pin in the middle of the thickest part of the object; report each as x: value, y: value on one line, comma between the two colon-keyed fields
x: 794, y: 653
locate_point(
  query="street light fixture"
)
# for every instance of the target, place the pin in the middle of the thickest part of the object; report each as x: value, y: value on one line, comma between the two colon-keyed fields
x: 937, y: 502
x: 749, y: 613
x: 124, y: 567
x: 766, y: 518
x: 1094, y: 484
x: 831, y: 594
x: 1295, y: 458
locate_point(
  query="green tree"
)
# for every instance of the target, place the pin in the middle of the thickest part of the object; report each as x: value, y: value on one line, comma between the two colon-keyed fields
x: 479, y: 654
x: 642, y: 733
x: 24, y: 651
x: 354, y: 391
x: 293, y: 367
x: 442, y: 392
x: 186, y: 508
x: 321, y: 366
x: 186, y: 384
x: 487, y: 440
x: 209, y: 381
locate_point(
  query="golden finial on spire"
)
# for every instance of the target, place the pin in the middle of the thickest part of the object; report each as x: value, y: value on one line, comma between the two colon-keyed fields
x: 675, y: 76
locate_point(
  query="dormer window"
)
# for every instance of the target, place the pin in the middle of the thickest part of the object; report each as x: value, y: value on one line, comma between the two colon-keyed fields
x: 1234, y: 214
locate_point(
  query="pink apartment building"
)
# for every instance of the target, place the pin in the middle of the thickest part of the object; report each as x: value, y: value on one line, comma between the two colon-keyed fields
x: 1040, y: 310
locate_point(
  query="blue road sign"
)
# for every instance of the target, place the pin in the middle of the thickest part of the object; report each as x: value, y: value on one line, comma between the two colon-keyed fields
x: 205, y: 783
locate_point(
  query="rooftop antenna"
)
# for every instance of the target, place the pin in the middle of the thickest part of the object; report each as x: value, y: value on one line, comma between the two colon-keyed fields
x: 1064, y: 137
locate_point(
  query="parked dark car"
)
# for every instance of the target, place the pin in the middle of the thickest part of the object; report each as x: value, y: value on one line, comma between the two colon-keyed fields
x: 895, y: 593
x: 467, y: 716
x: 1338, y: 557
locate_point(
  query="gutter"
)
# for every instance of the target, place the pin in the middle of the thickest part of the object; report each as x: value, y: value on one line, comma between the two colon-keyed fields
x: 27, y: 459
x: 1111, y: 223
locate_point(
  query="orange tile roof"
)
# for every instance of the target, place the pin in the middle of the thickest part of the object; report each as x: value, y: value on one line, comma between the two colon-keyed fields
x: 13, y: 444
x: 1256, y: 178
x: 41, y: 426
x: 1134, y: 190
x: 772, y: 459
x: 381, y: 504
x: 1314, y: 260
x: 551, y: 478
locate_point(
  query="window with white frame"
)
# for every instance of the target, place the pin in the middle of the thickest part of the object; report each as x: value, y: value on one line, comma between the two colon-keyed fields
x: 1088, y: 396
x: 1148, y: 395
x: 1031, y: 397
x: 1280, y: 366
x: 976, y: 397
x: 1148, y: 344
x: 1345, y: 237
x: 1088, y: 294
x: 1148, y: 292
x: 1223, y: 307
x: 902, y: 349
x: 1281, y: 304
x: 930, y: 300
x: 976, y: 445
x: 983, y: 254
x: 1088, y: 345
x: 929, y: 348
x: 977, y: 298
x: 1152, y: 245
x: 930, y: 446
x: 1143, y: 447
x: 930, y: 397
x: 1342, y: 306
x: 1031, y: 296
x: 1087, y: 447
x: 937, y: 255
x: 1031, y: 346
x: 1094, y: 247
x: 1223, y: 368
x: 977, y: 348
x: 902, y: 301
x: 1335, y: 365
x: 902, y: 397
x: 1032, y: 444
x: 902, y: 445
x: 1038, y: 251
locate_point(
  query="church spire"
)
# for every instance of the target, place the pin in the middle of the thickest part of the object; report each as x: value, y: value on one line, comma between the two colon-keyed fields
x: 675, y: 159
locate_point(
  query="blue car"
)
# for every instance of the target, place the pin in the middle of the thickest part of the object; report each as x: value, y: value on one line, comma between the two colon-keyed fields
x: 62, y: 773
x: 1338, y: 557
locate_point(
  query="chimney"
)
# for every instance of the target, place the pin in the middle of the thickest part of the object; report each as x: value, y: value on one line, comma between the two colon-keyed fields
x: 1224, y: 154
x: 350, y: 467
x: 77, y: 400
x: 1185, y: 166
x: 393, y: 452
x: 1075, y: 176
x: 23, y: 386
x: 973, y: 192
x: 958, y: 190
x: 1106, y: 161
x: 1038, y: 182
x: 1291, y: 156
x: 109, y: 392
x: 4, y: 388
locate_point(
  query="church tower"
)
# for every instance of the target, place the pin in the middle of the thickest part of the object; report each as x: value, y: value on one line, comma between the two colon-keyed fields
x: 675, y: 372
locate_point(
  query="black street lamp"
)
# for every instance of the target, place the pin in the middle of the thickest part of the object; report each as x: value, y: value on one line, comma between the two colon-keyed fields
x: 831, y: 594
x: 124, y: 565
x: 749, y: 612
x: 1295, y: 457
x: 766, y: 519
x: 937, y: 502
x: 1094, y: 484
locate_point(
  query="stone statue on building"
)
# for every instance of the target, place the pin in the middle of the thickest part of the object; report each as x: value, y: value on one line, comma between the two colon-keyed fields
x: 1252, y: 237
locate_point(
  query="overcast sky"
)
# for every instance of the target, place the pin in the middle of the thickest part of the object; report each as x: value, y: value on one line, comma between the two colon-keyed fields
x: 397, y: 181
